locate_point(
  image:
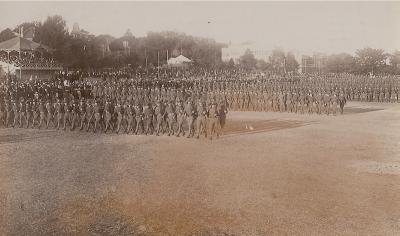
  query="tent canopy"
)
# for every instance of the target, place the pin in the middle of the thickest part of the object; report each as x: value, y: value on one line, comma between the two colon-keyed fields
x: 178, y: 60
x: 21, y: 44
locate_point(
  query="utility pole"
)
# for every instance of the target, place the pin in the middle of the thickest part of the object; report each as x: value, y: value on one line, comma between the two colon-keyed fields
x: 145, y: 55
x: 158, y: 64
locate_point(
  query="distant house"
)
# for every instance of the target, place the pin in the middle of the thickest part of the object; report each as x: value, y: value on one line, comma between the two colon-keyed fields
x: 235, y: 51
x: 29, y: 34
x: 313, y: 64
x: 80, y: 33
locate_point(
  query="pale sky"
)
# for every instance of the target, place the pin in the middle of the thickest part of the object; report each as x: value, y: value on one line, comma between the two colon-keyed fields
x: 304, y: 26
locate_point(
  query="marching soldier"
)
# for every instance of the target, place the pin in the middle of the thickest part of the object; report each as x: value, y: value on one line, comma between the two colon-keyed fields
x: 180, y: 118
x: 2, y: 113
x: 130, y: 118
x: 138, y: 118
x: 119, y: 114
x: 50, y: 113
x: 42, y: 114
x: 222, y: 111
x: 74, y: 114
x: 334, y: 103
x: 8, y: 111
x: 22, y: 114
x: 108, y: 116
x: 59, y: 112
x: 171, y: 118
x: 327, y: 100
x: 15, y: 112
x: 160, y: 116
x: 97, y: 116
x: 201, y: 120
x: 148, y: 118
x: 82, y: 113
x: 35, y: 114
x: 67, y: 114
x: 190, y: 117
x: 342, y: 102
x: 213, y: 121
x: 89, y: 115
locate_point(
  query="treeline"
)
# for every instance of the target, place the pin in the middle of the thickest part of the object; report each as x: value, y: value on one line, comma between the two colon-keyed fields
x: 278, y: 62
x: 367, y: 60
x: 105, y: 51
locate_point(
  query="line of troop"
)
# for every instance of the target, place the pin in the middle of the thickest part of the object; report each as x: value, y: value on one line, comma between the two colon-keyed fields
x: 110, y: 106
x: 191, y: 104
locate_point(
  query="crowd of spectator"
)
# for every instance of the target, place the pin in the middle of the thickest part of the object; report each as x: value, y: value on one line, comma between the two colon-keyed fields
x: 30, y: 61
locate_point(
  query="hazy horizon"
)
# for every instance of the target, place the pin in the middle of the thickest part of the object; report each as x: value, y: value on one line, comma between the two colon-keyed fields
x: 332, y: 27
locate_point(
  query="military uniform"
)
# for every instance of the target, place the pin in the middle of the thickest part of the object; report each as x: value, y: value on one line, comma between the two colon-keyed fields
x: 15, y: 113
x: 89, y: 115
x: 139, y: 118
x: 107, y: 116
x: 42, y: 114
x: 213, y: 121
x: 148, y: 113
x: 35, y: 114
x: 50, y: 113
x: 59, y: 112
x: 171, y: 118
x: 180, y: 118
x: 201, y: 120
x: 82, y: 114
x: 97, y: 116
x: 22, y: 114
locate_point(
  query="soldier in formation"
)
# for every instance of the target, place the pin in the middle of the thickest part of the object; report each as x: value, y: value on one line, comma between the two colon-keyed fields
x: 192, y: 105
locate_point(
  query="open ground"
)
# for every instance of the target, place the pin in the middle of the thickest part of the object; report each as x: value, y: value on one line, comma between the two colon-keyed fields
x: 270, y: 174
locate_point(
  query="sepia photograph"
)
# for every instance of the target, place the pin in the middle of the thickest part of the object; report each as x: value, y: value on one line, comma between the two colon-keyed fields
x: 199, y: 118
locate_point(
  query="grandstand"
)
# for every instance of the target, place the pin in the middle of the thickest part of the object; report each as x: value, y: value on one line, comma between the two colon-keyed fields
x: 27, y: 59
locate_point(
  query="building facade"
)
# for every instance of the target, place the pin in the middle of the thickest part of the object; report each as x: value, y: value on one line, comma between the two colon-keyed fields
x: 235, y: 51
x: 313, y: 64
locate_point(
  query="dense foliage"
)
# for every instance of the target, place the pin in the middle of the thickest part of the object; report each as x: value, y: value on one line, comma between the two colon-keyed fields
x: 105, y: 51
x: 89, y: 51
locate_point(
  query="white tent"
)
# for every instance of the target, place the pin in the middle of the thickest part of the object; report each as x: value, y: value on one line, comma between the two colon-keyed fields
x: 179, y: 60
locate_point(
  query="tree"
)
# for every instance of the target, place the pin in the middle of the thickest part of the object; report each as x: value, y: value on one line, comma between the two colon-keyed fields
x: 231, y: 63
x: 262, y: 65
x: 53, y: 33
x: 395, y: 62
x: 370, y: 60
x: 248, y: 61
x: 106, y: 51
x: 277, y: 61
x: 6, y: 35
x: 27, y: 26
x: 290, y: 62
x: 341, y: 63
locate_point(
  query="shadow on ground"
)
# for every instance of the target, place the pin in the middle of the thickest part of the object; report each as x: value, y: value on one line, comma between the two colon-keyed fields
x: 233, y: 128
x: 25, y: 137
x: 356, y: 110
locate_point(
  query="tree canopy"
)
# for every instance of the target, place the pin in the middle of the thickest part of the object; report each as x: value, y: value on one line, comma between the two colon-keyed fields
x: 248, y: 61
x: 89, y: 51
x: 107, y: 51
x: 370, y: 60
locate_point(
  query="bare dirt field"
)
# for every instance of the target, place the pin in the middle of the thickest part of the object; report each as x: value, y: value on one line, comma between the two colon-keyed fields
x: 270, y: 174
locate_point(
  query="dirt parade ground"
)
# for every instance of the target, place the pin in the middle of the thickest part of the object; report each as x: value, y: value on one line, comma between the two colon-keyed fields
x: 270, y: 174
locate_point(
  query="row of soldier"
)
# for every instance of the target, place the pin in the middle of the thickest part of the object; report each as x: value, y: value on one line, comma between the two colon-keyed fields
x: 134, y: 117
x: 322, y: 94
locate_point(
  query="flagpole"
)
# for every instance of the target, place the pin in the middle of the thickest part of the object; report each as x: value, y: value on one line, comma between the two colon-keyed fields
x: 158, y: 64
x: 145, y: 55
